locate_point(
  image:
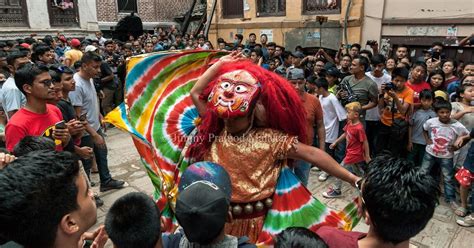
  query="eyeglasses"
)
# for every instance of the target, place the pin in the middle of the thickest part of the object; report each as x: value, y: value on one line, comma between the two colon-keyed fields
x: 47, y: 82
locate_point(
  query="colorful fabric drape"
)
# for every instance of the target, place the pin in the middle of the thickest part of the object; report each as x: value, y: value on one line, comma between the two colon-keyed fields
x: 159, y: 114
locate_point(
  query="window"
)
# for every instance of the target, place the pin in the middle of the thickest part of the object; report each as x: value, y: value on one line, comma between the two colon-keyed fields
x: 233, y: 8
x: 321, y: 6
x: 127, y: 6
x: 63, y: 13
x: 13, y: 13
x: 271, y: 7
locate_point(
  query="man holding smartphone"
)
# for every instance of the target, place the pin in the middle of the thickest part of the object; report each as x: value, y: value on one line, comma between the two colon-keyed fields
x: 37, y: 117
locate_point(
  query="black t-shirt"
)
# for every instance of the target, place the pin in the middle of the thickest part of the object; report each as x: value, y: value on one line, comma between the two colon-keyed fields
x: 105, y: 71
x: 67, y: 110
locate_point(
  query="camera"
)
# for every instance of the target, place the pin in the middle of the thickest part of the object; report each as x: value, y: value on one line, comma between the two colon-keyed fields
x: 390, y: 86
x: 371, y: 42
x: 350, y: 95
x: 246, y: 52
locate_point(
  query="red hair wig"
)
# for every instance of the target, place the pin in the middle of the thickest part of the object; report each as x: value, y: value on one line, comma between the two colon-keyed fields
x: 283, y: 107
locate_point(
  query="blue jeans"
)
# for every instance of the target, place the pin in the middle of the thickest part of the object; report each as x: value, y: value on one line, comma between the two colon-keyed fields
x: 100, y: 155
x: 469, y: 162
x: 357, y: 168
x: 340, y: 151
x: 447, y: 170
x: 301, y: 170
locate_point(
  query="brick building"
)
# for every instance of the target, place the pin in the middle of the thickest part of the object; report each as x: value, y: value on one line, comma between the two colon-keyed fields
x: 152, y: 12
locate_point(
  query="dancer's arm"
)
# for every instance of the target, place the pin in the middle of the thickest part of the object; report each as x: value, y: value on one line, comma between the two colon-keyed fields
x: 323, y: 161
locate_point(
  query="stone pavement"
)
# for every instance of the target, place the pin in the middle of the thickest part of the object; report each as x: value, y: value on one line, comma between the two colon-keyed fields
x: 124, y: 163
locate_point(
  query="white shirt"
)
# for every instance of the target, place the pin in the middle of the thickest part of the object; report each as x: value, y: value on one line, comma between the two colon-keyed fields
x: 443, y: 136
x: 373, y: 114
x: 333, y: 112
x: 85, y: 96
x: 11, y: 97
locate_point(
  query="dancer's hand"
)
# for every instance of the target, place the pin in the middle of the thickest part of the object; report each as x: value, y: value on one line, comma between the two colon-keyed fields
x: 233, y: 57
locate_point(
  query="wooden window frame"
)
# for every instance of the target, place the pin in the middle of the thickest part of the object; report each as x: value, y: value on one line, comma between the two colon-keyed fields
x: 265, y: 14
x: 320, y: 12
x: 71, y: 24
x: 120, y: 11
x: 227, y: 16
x: 24, y: 16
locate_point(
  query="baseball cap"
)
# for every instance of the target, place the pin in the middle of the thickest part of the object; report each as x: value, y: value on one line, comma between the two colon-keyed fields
x: 295, y: 74
x: 25, y: 45
x: 297, y: 54
x: 203, y: 201
x: 333, y: 71
x: 62, y: 38
x: 442, y: 94
x: 75, y: 43
x: 90, y: 48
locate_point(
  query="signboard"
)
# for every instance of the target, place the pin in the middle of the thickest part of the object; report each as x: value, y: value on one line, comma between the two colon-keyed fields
x: 268, y: 32
x: 452, y: 31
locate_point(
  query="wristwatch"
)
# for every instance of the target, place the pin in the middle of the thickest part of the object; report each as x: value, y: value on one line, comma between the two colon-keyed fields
x: 358, y: 184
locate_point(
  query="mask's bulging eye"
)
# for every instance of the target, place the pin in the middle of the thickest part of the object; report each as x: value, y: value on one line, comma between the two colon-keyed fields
x: 225, y: 85
x: 240, y: 89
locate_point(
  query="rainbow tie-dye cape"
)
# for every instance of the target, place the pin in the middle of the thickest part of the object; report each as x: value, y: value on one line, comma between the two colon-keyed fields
x: 159, y: 114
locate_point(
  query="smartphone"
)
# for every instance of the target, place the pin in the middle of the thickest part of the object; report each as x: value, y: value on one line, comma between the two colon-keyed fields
x: 83, y: 117
x: 60, y: 125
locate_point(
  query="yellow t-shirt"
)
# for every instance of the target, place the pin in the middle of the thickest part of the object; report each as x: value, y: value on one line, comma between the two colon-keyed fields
x: 406, y: 96
x: 74, y: 55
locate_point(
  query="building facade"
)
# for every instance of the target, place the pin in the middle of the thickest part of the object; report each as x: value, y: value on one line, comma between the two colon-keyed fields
x: 153, y: 13
x: 21, y: 18
x: 420, y: 23
x: 289, y: 23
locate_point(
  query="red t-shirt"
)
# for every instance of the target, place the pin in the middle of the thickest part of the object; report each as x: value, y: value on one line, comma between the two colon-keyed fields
x: 26, y: 123
x: 314, y: 112
x: 355, y: 137
x: 336, y: 238
x: 417, y: 88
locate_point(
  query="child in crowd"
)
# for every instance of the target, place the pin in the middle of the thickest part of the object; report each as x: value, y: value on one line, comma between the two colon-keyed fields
x: 357, y: 150
x: 134, y: 221
x: 372, y: 116
x: 333, y: 113
x: 440, y: 134
x: 416, y: 141
x: 463, y: 111
x: 395, y: 103
x: 299, y: 237
x: 465, y: 177
x: 417, y: 81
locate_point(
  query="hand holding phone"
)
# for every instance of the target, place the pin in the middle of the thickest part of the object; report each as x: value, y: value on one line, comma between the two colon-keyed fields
x: 83, y: 117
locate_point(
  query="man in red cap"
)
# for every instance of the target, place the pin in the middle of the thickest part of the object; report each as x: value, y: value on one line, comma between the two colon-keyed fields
x: 73, y: 55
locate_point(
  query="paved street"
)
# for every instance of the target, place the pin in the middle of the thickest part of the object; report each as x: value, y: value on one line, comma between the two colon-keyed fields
x: 442, y: 231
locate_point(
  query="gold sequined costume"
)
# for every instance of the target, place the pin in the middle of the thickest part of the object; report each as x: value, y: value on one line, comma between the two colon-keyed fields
x: 254, y: 162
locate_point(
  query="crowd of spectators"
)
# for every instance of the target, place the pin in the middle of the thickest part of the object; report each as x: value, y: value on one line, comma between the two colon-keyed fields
x: 404, y: 124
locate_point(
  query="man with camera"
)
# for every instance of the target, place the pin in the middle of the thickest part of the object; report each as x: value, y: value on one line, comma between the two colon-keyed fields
x: 358, y: 87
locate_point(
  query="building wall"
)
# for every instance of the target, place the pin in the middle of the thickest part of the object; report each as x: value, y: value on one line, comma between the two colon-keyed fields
x: 148, y: 10
x: 292, y: 29
x: 39, y: 22
x: 421, y: 18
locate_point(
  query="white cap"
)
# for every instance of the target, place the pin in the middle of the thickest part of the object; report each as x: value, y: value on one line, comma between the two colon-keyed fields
x: 90, y: 48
